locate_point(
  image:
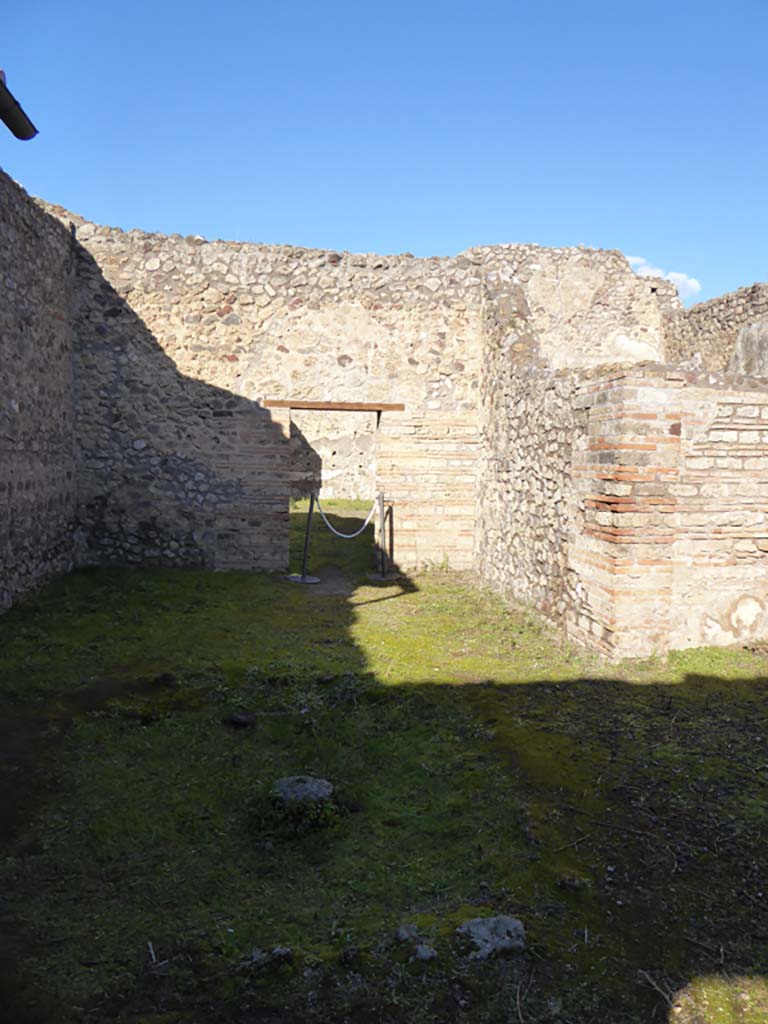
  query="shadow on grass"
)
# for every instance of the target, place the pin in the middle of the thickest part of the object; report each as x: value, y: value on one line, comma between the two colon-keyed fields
x: 624, y: 824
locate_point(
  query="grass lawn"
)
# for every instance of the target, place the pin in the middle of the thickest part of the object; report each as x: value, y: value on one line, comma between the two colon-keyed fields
x: 481, y: 766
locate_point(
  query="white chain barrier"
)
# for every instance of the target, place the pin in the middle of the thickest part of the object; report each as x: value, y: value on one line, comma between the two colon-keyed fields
x: 345, y: 536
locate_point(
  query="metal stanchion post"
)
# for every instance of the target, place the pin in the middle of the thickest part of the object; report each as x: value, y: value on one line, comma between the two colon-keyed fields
x: 382, y: 537
x: 303, y: 578
x: 384, y: 550
x: 391, y: 538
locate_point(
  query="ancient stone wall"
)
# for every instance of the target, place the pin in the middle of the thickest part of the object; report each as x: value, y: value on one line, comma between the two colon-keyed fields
x: 627, y: 503
x: 37, y: 443
x: 525, y: 475
x: 706, y: 334
x: 526, y: 507
x: 180, y: 325
x: 173, y: 470
x: 550, y: 318
x: 494, y: 474
x: 270, y: 322
x: 673, y: 477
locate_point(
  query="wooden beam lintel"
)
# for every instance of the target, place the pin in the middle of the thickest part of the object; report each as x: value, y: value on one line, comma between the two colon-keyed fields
x: 291, y: 403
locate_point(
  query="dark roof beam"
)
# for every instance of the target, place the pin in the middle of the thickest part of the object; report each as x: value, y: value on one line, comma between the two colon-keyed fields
x: 12, y: 115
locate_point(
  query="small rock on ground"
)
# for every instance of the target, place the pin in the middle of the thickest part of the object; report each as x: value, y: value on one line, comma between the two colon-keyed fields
x: 240, y: 720
x: 282, y: 954
x: 260, y: 957
x: 493, y: 935
x: 295, y: 789
x: 407, y: 933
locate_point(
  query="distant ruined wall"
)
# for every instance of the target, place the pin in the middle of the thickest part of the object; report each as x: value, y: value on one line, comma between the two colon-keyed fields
x: 581, y: 307
x: 708, y: 332
x: 37, y: 443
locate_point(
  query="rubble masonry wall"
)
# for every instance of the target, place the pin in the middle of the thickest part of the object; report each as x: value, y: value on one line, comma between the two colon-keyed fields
x: 37, y: 436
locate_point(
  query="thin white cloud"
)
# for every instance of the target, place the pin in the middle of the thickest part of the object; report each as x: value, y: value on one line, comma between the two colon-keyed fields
x: 686, y: 286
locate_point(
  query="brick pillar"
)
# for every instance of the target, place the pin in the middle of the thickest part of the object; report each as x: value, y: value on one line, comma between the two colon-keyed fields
x: 622, y: 546
x: 669, y: 542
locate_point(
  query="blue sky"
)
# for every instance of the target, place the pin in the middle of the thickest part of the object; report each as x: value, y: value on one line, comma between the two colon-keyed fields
x: 426, y: 127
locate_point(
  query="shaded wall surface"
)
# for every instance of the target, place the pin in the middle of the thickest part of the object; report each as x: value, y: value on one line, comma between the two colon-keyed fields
x: 110, y: 453
x: 37, y: 436
x: 173, y: 470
